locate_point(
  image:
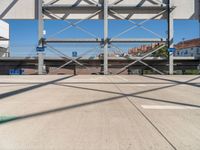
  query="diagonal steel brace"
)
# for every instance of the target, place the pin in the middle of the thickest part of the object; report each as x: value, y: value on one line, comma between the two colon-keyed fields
x: 136, y: 24
x: 140, y: 59
x: 65, y: 56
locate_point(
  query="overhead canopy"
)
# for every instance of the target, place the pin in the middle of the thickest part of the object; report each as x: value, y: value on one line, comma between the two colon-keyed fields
x: 4, y: 38
x: 4, y: 31
x: 80, y: 9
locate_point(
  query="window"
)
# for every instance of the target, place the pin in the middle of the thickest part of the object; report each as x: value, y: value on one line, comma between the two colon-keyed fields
x: 198, y: 50
x: 186, y: 52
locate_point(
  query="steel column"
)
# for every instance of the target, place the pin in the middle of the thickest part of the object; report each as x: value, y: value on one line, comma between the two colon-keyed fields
x: 170, y: 36
x: 40, y: 38
x: 105, y: 37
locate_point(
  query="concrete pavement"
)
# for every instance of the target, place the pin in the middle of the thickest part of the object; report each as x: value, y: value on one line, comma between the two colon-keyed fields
x: 99, y: 112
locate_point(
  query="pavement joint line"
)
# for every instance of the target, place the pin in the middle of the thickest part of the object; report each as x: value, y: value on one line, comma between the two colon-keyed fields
x: 146, y: 117
x: 168, y: 107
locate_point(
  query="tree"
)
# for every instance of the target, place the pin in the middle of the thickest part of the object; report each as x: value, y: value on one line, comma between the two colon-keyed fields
x: 163, y: 52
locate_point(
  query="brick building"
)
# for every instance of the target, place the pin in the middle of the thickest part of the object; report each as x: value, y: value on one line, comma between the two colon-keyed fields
x: 136, y: 51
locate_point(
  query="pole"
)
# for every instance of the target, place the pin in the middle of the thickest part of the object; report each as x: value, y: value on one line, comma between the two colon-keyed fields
x: 105, y: 37
x: 40, y: 38
x: 170, y: 37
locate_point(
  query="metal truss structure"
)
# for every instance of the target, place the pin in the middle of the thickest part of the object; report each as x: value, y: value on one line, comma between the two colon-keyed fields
x: 103, y: 9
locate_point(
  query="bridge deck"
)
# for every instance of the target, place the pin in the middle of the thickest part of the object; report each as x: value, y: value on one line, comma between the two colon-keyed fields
x: 100, y: 112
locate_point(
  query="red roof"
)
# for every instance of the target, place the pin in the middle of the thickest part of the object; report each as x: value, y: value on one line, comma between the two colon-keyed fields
x: 188, y: 44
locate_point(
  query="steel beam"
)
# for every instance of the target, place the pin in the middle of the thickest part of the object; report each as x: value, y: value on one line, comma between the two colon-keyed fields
x: 57, y: 9
x: 170, y: 36
x: 62, y: 7
x: 69, y: 40
x: 40, y: 38
x: 137, y: 40
x: 99, y: 40
x: 122, y: 9
x: 3, y: 39
x: 105, y: 37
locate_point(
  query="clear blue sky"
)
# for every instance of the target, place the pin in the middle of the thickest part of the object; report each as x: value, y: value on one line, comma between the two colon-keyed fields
x: 23, y: 34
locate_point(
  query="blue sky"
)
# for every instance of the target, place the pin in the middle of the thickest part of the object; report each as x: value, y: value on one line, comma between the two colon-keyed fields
x: 23, y: 34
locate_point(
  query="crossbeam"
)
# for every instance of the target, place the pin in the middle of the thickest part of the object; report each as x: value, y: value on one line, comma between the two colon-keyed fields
x: 99, y: 40
x: 60, y: 8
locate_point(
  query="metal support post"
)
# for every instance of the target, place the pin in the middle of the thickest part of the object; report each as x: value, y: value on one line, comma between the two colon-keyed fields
x: 40, y: 38
x: 170, y: 37
x: 105, y: 37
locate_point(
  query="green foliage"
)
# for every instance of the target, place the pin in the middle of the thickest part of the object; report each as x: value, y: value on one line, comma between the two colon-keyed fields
x: 163, y: 52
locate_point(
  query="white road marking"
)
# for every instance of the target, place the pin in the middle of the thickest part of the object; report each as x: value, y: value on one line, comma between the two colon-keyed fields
x: 142, y: 85
x: 83, y: 80
x: 167, y: 107
x: 146, y: 85
x: 124, y: 79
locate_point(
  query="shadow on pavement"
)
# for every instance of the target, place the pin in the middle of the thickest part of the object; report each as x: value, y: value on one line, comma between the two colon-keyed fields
x: 19, y: 91
x: 118, y: 97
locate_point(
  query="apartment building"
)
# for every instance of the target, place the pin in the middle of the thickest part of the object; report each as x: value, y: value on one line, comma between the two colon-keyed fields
x: 189, y: 48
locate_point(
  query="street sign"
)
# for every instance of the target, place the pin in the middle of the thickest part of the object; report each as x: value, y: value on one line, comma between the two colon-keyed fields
x: 74, y: 54
x: 40, y: 49
x: 171, y: 50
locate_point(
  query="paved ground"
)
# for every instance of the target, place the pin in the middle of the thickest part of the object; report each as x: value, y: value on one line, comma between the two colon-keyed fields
x: 99, y: 112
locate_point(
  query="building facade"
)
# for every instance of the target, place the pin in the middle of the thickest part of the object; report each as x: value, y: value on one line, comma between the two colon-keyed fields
x: 137, y: 51
x: 189, y: 48
x: 4, y: 39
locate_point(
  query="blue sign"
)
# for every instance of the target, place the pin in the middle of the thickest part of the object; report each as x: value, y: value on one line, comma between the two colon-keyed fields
x: 16, y: 72
x: 171, y: 50
x: 40, y: 49
x: 74, y: 54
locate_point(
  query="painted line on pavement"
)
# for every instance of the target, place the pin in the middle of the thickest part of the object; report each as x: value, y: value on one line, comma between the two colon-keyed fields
x: 167, y: 107
x: 120, y: 77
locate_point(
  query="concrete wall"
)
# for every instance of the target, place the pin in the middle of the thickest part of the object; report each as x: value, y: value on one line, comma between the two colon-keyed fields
x: 27, y: 9
x: 4, y: 30
x: 93, y: 67
x: 4, y: 39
